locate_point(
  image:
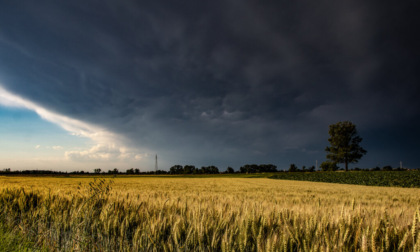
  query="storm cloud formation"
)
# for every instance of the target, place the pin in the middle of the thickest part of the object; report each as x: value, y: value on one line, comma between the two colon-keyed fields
x: 223, y: 82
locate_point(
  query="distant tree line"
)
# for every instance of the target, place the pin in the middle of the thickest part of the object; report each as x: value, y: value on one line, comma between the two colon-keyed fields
x: 253, y: 168
x: 131, y: 171
x: 8, y: 171
x: 248, y: 168
x: 191, y: 169
x: 30, y: 172
x: 294, y: 168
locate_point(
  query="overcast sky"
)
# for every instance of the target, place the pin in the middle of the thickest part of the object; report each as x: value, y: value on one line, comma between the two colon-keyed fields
x: 88, y: 84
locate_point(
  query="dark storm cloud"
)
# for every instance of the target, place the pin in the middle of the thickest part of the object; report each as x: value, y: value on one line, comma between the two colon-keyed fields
x: 225, y: 82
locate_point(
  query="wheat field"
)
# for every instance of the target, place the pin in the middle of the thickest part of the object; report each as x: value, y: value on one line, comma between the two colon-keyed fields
x: 152, y: 213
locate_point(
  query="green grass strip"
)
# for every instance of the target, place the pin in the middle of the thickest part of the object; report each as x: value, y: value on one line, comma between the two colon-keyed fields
x: 372, y: 178
x: 14, y: 241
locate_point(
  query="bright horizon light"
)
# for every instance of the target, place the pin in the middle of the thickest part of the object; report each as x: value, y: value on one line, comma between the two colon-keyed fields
x: 106, y: 146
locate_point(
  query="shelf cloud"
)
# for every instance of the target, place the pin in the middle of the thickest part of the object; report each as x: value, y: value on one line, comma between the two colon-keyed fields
x: 109, y: 146
x: 217, y: 83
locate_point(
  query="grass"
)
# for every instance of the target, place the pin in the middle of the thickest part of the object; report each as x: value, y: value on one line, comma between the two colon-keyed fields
x: 209, y: 214
x: 15, y: 241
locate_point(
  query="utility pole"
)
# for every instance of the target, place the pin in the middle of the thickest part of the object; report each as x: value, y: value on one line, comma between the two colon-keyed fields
x: 156, y: 164
x: 401, y: 165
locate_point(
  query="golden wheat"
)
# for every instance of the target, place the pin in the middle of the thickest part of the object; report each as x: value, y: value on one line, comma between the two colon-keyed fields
x: 209, y: 214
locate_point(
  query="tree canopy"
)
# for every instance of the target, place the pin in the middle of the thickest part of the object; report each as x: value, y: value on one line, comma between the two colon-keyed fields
x: 345, y: 144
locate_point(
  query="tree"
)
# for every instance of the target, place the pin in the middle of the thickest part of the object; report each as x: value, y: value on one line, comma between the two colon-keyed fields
x: 97, y: 170
x: 329, y: 166
x: 209, y: 169
x: 293, y: 168
x: 387, y: 168
x: 230, y: 170
x: 267, y: 168
x: 344, y: 142
x: 189, y: 169
x: 311, y: 169
x: 176, y: 169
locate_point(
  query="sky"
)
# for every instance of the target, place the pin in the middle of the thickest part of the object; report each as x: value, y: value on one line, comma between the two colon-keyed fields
x: 110, y: 84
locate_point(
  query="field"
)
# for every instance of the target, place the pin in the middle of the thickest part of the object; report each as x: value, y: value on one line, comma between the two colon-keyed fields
x: 376, y: 178
x: 208, y: 214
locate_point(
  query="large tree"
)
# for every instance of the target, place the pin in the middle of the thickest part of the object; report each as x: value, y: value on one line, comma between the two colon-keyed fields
x: 345, y: 144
